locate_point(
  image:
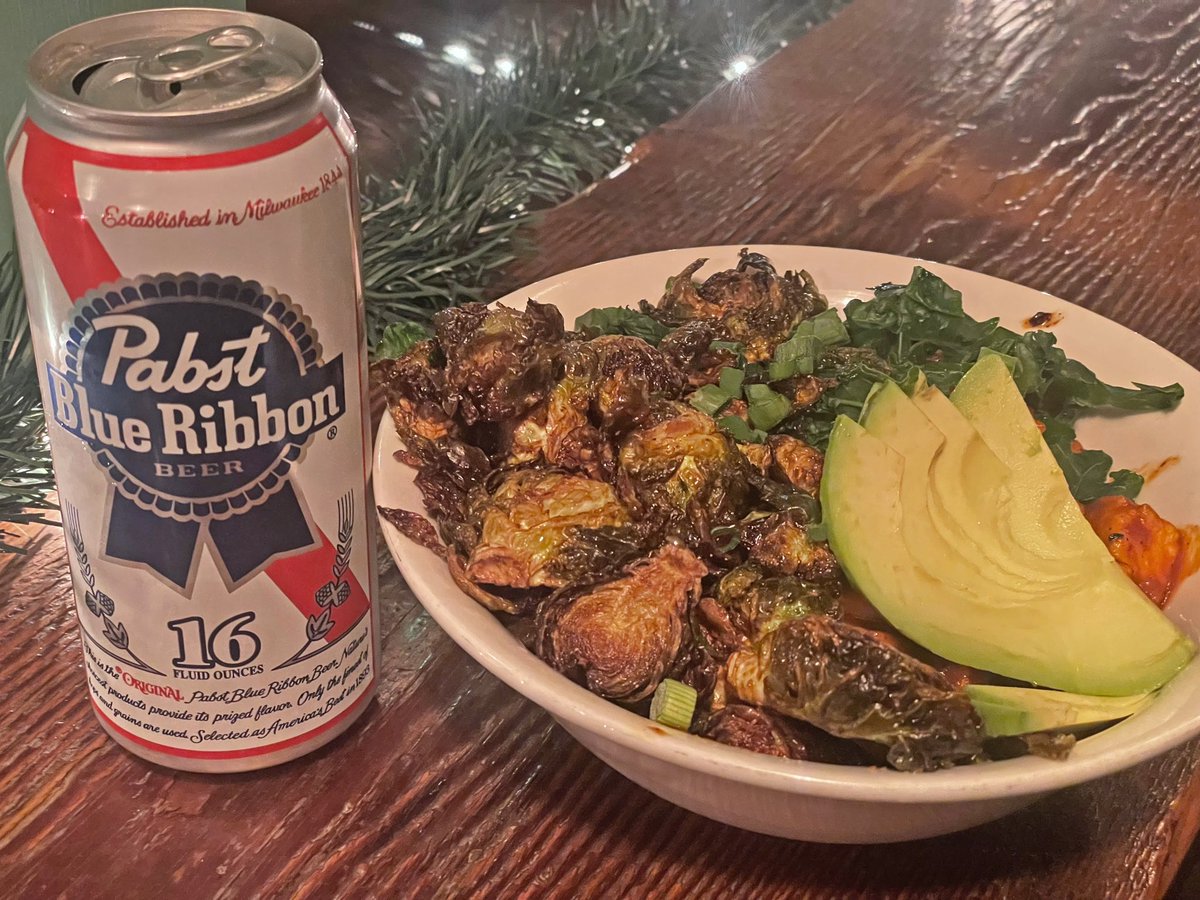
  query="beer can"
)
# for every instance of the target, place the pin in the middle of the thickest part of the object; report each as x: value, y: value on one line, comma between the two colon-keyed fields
x: 185, y: 197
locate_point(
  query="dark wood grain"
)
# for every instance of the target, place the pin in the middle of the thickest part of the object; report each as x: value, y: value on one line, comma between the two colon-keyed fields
x: 1049, y: 143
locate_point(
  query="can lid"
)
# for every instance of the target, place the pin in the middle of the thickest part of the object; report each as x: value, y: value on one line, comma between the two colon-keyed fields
x: 172, y: 63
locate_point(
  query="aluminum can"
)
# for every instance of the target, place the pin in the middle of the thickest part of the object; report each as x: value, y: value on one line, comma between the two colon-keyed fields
x: 185, y: 198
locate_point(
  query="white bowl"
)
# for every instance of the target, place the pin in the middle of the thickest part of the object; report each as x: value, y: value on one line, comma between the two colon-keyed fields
x: 816, y: 801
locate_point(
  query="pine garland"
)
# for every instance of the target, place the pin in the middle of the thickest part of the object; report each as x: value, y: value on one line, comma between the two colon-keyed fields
x: 25, y: 476
x: 497, y: 148
x: 493, y: 150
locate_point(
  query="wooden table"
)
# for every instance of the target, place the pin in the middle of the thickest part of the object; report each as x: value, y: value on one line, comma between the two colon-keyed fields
x: 1048, y: 143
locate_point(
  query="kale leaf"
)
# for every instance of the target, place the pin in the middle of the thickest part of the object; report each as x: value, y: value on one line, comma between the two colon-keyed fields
x: 399, y: 338
x: 621, y: 320
x: 921, y: 326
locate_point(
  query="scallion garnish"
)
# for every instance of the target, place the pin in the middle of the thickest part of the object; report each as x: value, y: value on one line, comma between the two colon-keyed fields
x: 730, y: 531
x: 674, y: 704
x: 732, y: 346
x: 738, y: 429
x: 731, y: 381
x: 797, y: 355
x: 828, y: 328
x: 710, y: 399
x: 767, y: 407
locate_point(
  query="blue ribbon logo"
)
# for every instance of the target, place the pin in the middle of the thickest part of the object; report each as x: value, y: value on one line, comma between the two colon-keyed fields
x: 197, y: 394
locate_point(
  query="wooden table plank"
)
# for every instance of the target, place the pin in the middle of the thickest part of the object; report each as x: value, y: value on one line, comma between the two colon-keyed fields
x: 1046, y: 143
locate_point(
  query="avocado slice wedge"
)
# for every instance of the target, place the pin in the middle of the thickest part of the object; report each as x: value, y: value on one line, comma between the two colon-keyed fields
x: 984, y: 557
x: 1010, y: 711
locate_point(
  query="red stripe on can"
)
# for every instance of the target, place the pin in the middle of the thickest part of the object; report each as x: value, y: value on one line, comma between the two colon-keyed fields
x: 300, y: 577
x: 73, y: 245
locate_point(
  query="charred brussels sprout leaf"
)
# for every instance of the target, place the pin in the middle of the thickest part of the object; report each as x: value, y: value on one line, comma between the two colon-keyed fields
x: 684, y: 471
x: 620, y: 638
x: 752, y: 306
x: 845, y: 681
x: 590, y: 553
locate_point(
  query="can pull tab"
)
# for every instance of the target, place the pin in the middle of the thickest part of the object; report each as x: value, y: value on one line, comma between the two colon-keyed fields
x: 199, y: 54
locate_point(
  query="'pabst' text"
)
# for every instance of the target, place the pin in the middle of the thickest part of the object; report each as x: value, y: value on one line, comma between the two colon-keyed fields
x: 204, y: 429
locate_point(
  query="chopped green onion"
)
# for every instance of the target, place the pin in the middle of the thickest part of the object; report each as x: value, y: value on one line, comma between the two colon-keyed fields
x: 767, y: 407
x: 827, y: 327
x: 804, y: 329
x: 797, y: 355
x: 731, y: 381
x: 817, y: 532
x: 738, y: 429
x: 755, y: 371
x: 710, y: 399
x: 674, y: 704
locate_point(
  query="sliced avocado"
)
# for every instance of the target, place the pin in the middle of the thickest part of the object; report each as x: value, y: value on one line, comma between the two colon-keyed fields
x: 1042, y: 606
x: 1047, y: 520
x: 1016, y: 710
x: 953, y: 534
x: 889, y: 413
x: 972, y: 513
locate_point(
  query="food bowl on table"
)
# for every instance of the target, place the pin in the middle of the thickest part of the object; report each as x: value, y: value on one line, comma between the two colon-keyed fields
x: 820, y: 801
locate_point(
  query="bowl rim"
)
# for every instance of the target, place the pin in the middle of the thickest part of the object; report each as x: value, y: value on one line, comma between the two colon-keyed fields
x: 573, y: 704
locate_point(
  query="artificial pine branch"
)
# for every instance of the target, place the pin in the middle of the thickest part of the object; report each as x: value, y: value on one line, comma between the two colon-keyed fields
x: 497, y: 147
x: 25, y: 477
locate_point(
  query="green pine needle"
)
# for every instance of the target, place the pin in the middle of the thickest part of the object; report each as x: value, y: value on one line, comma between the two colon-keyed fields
x: 25, y: 477
x: 492, y: 152
x: 496, y: 149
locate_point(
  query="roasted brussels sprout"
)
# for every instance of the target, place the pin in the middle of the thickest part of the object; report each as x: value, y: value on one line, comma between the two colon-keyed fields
x: 620, y: 638
x: 682, y: 468
x: 682, y: 300
x: 780, y: 543
x: 606, y: 389
x: 760, y: 601
x: 500, y: 362
x: 415, y: 389
x: 690, y: 347
x: 415, y: 527
x: 574, y: 488
x: 751, y: 304
x: 451, y: 470
x: 632, y: 374
x: 787, y: 459
x: 527, y: 521
x: 762, y: 731
x: 843, y: 680
x: 751, y: 728
x: 559, y: 432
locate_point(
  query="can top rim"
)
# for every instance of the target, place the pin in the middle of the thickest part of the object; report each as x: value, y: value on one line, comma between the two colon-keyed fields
x: 57, y: 63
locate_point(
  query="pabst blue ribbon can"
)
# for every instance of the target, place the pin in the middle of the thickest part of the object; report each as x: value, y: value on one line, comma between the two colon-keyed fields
x: 184, y: 191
